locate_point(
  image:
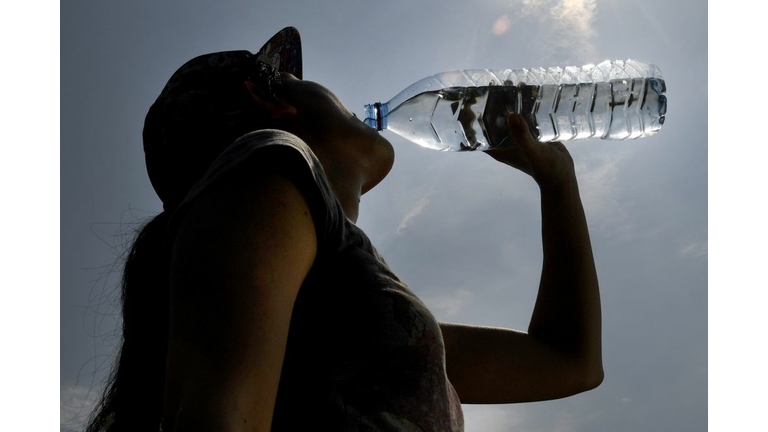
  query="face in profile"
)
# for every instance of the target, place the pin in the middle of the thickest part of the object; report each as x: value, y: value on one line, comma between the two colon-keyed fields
x: 333, y: 132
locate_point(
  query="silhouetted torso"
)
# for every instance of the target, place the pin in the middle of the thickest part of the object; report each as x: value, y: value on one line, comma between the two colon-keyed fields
x: 363, y: 352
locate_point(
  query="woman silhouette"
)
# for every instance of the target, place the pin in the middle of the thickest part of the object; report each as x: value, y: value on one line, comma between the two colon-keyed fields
x: 254, y: 302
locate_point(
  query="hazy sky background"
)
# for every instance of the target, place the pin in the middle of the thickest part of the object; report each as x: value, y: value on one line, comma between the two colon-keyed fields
x: 462, y: 230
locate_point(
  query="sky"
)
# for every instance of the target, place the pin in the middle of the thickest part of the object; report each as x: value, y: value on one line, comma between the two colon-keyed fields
x: 462, y: 230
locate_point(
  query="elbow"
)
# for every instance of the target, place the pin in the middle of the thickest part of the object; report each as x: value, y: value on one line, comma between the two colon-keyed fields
x: 595, y: 378
x: 591, y: 379
x: 589, y: 366
x: 585, y: 371
x: 584, y: 376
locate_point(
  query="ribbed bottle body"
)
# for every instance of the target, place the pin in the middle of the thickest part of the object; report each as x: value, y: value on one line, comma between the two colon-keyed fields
x: 466, y: 110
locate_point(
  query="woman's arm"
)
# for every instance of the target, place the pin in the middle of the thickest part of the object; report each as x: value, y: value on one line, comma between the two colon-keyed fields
x: 240, y: 256
x: 560, y: 355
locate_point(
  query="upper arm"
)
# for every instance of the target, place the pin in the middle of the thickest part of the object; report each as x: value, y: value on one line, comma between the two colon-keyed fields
x: 499, y: 365
x: 240, y: 256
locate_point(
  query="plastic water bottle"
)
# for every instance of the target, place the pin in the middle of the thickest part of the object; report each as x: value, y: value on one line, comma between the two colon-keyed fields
x: 467, y: 110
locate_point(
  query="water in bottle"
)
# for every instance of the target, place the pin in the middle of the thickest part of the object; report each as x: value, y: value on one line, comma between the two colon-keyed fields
x: 467, y: 110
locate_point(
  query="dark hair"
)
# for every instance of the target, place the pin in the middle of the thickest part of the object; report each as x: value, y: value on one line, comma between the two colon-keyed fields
x: 203, y: 121
x: 133, y: 397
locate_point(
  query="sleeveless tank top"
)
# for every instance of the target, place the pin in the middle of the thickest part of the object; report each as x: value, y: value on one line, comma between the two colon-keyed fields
x: 363, y: 352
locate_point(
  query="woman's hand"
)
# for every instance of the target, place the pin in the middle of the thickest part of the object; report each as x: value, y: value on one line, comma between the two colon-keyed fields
x: 549, y: 164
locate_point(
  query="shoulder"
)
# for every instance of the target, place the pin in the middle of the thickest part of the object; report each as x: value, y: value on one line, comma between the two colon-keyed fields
x: 246, y: 218
x: 264, y: 159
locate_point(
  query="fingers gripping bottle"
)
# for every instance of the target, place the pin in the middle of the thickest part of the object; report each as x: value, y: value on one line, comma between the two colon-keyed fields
x: 467, y: 110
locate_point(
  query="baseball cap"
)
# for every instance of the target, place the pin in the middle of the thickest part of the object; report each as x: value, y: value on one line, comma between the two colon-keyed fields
x: 199, y: 111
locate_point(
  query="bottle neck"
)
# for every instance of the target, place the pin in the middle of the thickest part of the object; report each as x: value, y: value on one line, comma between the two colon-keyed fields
x: 376, y: 115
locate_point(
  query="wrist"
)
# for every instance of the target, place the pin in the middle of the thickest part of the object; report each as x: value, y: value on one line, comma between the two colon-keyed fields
x: 563, y: 185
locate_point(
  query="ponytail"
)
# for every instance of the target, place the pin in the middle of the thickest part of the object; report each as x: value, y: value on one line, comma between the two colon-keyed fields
x: 133, y: 397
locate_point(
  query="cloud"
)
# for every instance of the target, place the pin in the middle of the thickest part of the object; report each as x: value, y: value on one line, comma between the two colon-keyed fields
x: 501, y: 25
x: 450, y: 306
x: 488, y: 418
x: 75, y: 406
x: 564, y: 29
x: 577, y: 16
x: 599, y: 188
x: 411, y: 215
x: 694, y: 250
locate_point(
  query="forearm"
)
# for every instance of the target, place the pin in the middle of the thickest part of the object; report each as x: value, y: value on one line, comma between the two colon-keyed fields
x: 567, y: 313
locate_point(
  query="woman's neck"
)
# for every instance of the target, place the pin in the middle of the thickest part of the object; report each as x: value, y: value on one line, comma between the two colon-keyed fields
x: 347, y: 189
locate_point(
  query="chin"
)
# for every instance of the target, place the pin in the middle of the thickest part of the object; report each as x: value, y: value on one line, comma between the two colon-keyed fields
x: 384, y: 160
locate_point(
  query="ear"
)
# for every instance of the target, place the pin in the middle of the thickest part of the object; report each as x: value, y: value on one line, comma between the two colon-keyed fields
x: 274, y: 107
